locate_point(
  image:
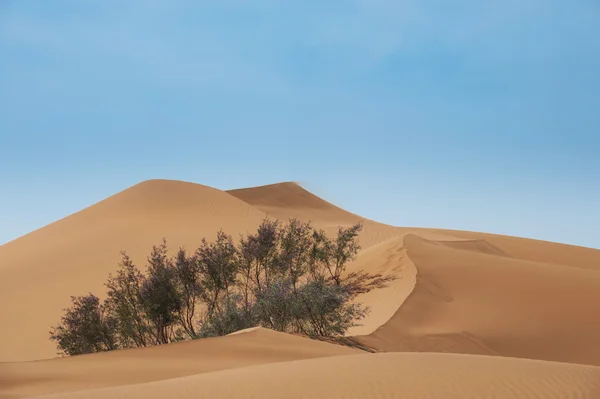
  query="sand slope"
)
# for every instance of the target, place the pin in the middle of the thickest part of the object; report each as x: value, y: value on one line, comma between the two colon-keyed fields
x: 389, y: 375
x: 471, y: 297
x: 539, y: 251
x: 288, y: 200
x: 73, y: 256
x: 139, y: 365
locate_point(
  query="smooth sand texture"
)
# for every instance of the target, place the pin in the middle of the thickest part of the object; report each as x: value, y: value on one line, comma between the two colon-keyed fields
x: 387, y: 375
x: 74, y: 256
x: 288, y: 200
x: 388, y: 257
x: 134, y: 366
x: 456, y: 291
x: 470, y: 297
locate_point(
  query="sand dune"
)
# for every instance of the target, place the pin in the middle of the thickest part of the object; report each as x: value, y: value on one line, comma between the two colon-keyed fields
x: 456, y: 292
x: 471, y: 297
x: 73, y: 256
x: 134, y: 366
x: 388, y: 375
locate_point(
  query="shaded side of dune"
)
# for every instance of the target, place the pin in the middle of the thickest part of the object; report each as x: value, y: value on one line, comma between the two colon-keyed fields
x: 284, y: 200
x: 289, y: 200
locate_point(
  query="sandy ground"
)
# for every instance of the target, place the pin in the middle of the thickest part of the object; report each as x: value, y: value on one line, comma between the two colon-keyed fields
x: 139, y: 365
x: 386, y: 375
x: 485, y: 304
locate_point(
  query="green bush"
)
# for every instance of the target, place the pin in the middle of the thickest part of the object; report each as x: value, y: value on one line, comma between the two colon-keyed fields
x: 85, y: 327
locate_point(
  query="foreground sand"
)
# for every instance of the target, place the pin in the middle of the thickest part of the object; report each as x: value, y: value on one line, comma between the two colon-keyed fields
x: 387, y: 375
x: 456, y: 292
x: 134, y: 366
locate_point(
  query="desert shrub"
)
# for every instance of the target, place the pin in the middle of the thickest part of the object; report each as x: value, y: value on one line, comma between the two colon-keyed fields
x: 287, y: 277
x: 125, y: 305
x: 218, y: 269
x: 187, y: 276
x: 229, y: 316
x: 84, y: 328
x: 159, y: 296
x: 324, y: 308
x: 276, y: 306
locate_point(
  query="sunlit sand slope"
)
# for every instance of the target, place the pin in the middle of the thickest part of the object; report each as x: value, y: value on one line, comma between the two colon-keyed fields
x: 38, y: 272
x: 471, y: 296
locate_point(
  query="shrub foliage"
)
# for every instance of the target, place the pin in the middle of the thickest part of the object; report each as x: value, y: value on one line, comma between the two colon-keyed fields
x: 287, y: 277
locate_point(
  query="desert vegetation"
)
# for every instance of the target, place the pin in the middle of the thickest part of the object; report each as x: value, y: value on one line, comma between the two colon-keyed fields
x: 288, y: 277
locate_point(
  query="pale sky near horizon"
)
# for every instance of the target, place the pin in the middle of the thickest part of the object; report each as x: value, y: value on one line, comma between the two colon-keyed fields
x: 469, y: 114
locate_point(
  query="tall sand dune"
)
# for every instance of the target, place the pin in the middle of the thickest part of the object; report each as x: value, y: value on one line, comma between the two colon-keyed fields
x: 139, y: 365
x: 73, y: 256
x: 387, y: 375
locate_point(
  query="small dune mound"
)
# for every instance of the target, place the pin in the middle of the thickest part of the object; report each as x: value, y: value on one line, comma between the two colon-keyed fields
x: 139, y: 365
x: 389, y: 375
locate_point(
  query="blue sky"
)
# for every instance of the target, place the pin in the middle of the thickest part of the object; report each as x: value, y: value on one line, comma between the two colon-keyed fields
x: 467, y: 114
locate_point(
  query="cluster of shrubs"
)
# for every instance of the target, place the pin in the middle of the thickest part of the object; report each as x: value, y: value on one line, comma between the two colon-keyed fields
x: 287, y: 277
